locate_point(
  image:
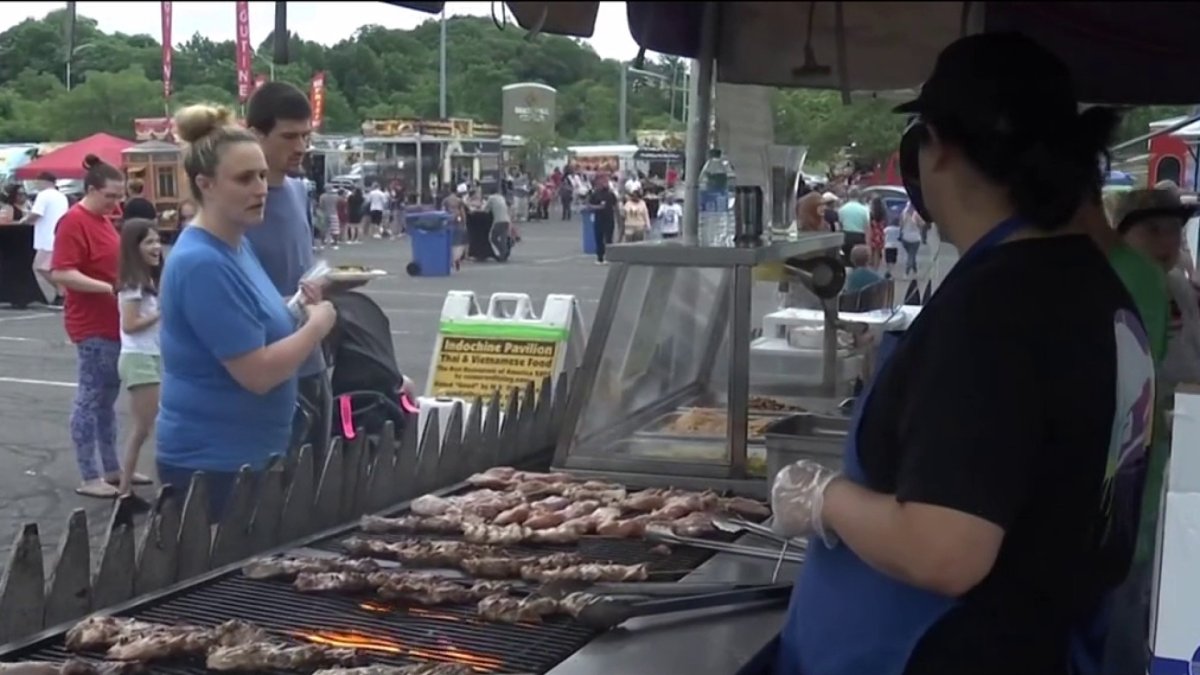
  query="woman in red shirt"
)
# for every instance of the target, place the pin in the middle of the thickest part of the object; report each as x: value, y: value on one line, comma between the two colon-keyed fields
x: 86, y: 256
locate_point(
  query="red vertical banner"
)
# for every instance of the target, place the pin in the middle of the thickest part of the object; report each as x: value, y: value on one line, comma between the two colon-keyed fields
x: 166, y: 48
x: 317, y: 99
x: 244, y: 54
x: 259, y: 81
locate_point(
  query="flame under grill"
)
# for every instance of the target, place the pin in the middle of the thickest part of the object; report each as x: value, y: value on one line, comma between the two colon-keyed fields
x: 390, y: 634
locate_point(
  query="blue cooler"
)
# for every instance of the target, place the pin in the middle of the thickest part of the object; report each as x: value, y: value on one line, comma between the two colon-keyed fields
x: 432, y: 239
x: 589, y: 231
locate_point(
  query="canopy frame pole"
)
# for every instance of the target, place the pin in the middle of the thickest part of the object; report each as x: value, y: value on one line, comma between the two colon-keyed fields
x: 700, y: 97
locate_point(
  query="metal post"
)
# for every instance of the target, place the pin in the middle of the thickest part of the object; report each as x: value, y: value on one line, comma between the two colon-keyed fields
x: 699, y: 113
x: 442, y: 73
x: 624, y: 102
x: 420, y: 173
x: 68, y: 73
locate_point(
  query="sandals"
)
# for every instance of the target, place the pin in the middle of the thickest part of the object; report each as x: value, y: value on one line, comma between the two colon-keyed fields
x: 97, y: 488
x: 138, y: 479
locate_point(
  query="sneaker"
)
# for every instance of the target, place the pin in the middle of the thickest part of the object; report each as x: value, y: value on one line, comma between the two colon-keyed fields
x: 137, y: 479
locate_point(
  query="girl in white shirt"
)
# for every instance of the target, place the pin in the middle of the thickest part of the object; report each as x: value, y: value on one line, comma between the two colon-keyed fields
x: 891, y: 246
x: 140, y: 364
x: 670, y: 218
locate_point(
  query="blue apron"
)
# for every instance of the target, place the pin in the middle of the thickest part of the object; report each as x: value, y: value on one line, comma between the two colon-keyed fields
x: 845, y: 617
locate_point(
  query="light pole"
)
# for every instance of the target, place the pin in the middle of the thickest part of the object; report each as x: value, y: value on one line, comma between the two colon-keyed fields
x: 270, y: 65
x: 71, y: 57
x: 442, y: 70
x: 624, y: 98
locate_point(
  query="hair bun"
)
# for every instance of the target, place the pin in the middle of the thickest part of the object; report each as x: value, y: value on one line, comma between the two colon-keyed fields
x: 197, y: 121
x: 91, y: 161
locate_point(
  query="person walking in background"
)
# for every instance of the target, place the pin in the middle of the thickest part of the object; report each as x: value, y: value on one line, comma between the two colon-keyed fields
x: 281, y: 118
x: 356, y: 204
x: 603, y: 203
x: 399, y: 223
x: 49, y: 206
x: 637, y: 217
x: 566, y: 191
x: 875, y: 236
x: 891, y: 248
x: 137, y: 206
x: 327, y: 207
x: 377, y: 203
x: 231, y: 349
x: 855, y: 218
x: 830, y: 203
x: 140, y: 363
x: 911, y: 234
x: 86, y: 258
x: 670, y: 217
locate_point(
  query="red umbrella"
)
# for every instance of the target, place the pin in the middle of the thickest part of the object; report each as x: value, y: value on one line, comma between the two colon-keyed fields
x: 67, y: 161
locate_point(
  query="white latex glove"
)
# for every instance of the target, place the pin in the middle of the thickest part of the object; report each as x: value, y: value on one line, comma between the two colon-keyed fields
x: 797, y: 497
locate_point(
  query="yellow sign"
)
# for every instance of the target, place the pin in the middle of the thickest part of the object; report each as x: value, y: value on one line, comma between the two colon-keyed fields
x: 473, y: 366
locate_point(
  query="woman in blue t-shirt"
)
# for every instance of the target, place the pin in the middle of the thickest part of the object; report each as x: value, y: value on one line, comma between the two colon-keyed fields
x: 230, y: 347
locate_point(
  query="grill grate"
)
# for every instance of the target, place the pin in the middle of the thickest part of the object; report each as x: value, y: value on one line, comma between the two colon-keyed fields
x: 448, y: 633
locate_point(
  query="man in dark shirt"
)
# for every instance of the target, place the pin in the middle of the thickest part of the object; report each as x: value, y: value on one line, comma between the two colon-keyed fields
x: 990, y: 488
x: 603, y: 204
x: 137, y: 206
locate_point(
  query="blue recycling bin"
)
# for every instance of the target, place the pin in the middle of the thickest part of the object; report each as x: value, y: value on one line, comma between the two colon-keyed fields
x: 432, y: 244
x: 588, y: 218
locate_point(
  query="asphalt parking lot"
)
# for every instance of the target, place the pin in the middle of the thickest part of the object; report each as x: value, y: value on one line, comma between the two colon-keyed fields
x: 38, y: 473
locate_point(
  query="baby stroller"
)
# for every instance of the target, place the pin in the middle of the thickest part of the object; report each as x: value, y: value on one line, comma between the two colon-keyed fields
x: 367, y: 385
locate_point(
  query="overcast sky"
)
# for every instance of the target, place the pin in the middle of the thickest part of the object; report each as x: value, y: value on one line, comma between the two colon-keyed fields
x: 323, y: 22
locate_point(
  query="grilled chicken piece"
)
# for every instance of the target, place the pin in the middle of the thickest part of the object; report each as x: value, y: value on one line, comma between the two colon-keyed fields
x: 629, y: 528
x: 504, y: 609
x: 645, y: 501
x: 101, y: 632
x: 545, y: 520
x: 580, y: 509
x: 447, y: 524
x: 514, y: 516
x: 340, y: 582
x: 747, y: 508
x: 586, y: 572
x: 286, y: 568
x: 261, y: 656
x: 423, y: 553
x: 555, y: 535
x: 168, y: 642
x: 497, y: 477
x: 430, y: 505
x: 697, y: 524
x: 606, y: 496
x: 70, y: 667
x: 550, y: 504
x: 491, y: 534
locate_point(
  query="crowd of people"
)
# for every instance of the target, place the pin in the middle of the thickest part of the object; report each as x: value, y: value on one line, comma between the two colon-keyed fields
x: 213, y: 360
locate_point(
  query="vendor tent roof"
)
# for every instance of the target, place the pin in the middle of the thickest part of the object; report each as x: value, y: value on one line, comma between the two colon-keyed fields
x: 67, y: 161
x: 1135, y: 53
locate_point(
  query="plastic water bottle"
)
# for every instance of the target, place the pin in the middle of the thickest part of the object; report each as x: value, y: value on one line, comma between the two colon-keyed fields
x: 717, y: 182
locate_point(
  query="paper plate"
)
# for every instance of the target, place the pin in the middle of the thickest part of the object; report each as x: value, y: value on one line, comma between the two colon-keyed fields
x: 355, y: 275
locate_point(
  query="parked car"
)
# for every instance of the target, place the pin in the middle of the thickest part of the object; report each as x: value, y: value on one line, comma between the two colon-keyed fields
x: 895, y: 199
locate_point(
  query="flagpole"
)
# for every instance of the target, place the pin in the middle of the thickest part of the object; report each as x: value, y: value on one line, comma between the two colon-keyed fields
x: 442, y: 71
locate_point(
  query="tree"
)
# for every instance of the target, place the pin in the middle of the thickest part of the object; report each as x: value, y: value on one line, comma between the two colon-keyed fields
x: 384, y: 73
x: 107, y: 102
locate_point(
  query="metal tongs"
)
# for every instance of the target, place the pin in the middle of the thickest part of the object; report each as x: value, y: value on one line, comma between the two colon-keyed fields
x: 665, y: 536
x: 606, y: 614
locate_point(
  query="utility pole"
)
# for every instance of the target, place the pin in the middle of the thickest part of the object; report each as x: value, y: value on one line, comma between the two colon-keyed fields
x: 442, y: 70
x: 624, y: 103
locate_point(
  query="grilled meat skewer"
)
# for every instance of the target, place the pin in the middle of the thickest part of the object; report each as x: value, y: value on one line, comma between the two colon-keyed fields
x: 259, y: 656
x: 69, y: 667
x: 506, y: 609
x: 288, y: 568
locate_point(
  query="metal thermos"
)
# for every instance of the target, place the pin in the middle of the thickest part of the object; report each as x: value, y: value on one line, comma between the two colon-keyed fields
x: 748, y: 215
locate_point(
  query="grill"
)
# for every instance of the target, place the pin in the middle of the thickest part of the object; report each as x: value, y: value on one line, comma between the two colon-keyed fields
x: 393, y: 635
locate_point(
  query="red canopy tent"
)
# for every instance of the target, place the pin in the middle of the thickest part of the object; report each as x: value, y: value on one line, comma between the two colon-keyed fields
x: 67, y: 161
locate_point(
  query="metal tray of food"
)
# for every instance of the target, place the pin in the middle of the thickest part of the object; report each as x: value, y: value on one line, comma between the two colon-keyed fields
x: 709, y: 423
x: 806, y: 436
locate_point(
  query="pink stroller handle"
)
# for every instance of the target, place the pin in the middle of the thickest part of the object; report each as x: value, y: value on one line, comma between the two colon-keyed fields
x: 347, y: 414
x: 406, y: 404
